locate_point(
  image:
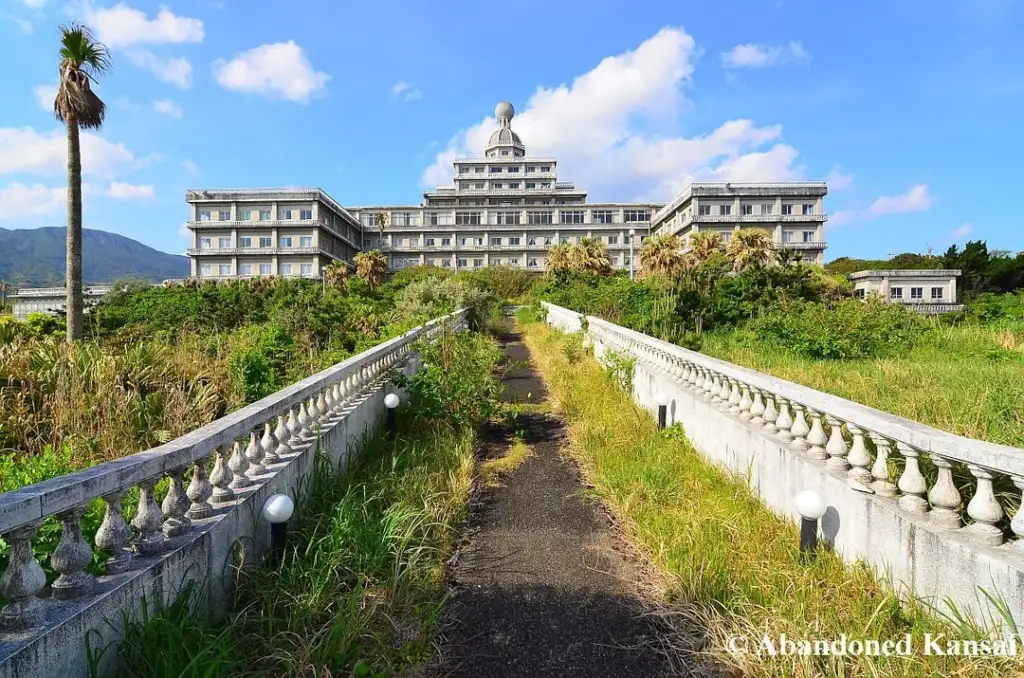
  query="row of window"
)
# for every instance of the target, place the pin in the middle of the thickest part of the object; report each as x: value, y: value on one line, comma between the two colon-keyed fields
x: 511, y: 217
x: 767, y: 209
x: 479, y: 185
x: 207, y: 270
x: 246, y: 242
x: 496, y: 241
x: 513, y: 169
x: 787, y: 236
x: 916, y: 293
x: 255, y: 215
x: 478, y: 262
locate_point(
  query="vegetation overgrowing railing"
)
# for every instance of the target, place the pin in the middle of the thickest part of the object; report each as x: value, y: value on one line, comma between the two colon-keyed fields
x: 227, y: 458
x: 879, y: 453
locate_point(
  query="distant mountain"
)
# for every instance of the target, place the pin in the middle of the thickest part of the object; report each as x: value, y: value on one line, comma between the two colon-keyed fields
x: 35, y: 258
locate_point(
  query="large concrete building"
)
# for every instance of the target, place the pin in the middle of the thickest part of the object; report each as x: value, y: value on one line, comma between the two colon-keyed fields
x: 928, y: 291
x: 792, y: 212
x: 505, y: 208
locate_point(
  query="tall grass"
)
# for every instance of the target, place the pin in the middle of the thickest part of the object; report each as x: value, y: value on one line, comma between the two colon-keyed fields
x: 733, y: 566
x: 965, y: 379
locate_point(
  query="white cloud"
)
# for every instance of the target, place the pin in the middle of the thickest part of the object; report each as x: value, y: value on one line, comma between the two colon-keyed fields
x: 168, y: 108
x: 589, y: 125
x: 34, y: 4
x: 914, y: 200
x: 23, y: 24
x: 189, y: 166
x: 174, y: 70
x: 124, y: 26
x: 405, y: 92
x: 184, y: 232
x: 23, y: 150
x: 758, y: 56
x: 44, y: 95
x: 277, y: 71
x: 123, y: 191
x: 964, y: 230
x: 837, y: 179
x: 18, y: 201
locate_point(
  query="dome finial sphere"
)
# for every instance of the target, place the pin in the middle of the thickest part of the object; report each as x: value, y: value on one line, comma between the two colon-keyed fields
x: 504, y: 110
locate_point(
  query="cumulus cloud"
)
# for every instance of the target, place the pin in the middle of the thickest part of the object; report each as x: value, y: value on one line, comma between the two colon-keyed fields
x: 34, y: 4
x: 44, y: 96
x: 124, y: 26
x: 168, y: 108
x: 837, y: 179
x: 124, y: 191
x: 174, y: 70
x: 18, y: 201
x: 917, y: 199
x: 591, y: 126
x: 759, y: 56
x: 25, y: 151
x: 276, y: 71
x: 405, y: 91
x: 964, y: 230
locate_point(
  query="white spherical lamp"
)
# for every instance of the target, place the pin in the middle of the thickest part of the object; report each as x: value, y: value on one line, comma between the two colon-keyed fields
x: 278, y: 509
x: 662, y: 398
x: 810, y: 505
x: 391, y: 401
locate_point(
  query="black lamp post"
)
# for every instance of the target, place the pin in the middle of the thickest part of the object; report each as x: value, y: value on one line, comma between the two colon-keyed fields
x: 811, y: 508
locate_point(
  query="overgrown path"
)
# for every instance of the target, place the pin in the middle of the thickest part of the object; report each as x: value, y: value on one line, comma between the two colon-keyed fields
x: 539, y: 588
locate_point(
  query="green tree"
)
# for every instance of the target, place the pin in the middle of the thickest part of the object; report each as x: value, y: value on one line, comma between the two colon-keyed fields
x: 750, y: 248
x: 82, y: 59
x: 372, y: 267
x: 559, y: 259
x: 661, y: 255
x: 590, y: 255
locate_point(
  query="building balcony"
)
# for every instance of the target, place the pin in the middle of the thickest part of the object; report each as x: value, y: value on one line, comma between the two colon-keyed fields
x: 757, y: 218
x: 255, y: 251
x: 815, y: 245
x: 559, y: 189
x: 781, y: 188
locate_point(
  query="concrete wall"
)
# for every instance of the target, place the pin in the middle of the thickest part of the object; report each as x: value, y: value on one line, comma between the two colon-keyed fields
x: 206, y: 555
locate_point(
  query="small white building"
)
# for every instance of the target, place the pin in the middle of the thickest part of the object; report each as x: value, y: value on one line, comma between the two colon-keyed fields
x: 922, y: 290
x: 50, y: 299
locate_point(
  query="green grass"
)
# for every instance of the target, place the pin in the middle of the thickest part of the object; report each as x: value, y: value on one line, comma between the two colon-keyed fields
x: 731, y: 565
x: 966, y: 379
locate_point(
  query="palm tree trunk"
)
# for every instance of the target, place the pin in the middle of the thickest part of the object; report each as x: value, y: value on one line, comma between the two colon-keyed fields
x: 74, y: 235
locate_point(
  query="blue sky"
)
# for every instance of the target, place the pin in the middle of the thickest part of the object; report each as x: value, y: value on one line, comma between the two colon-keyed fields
x: 911, y: 110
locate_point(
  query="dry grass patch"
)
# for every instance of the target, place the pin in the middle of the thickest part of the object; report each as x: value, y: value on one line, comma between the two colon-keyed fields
x: 493, y: 470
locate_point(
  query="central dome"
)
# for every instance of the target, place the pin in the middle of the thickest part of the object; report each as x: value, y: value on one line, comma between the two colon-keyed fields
x: 504, y: 110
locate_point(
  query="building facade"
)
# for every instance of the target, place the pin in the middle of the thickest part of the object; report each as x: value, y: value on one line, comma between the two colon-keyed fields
x: 49, y: 300
x: 922, y: 290
x: 792, y: 212
x: 241, y: 233
x: 505, y: 209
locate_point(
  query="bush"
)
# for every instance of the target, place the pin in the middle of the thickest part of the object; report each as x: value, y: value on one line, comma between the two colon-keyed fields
x: 259, y: 359
x: 10, y: 329
x: 572, y: 347
x: 531, y: 314
x: 43, y: 324
x: 845, y: 329
x: 432, y: 297
x: 504, y: 282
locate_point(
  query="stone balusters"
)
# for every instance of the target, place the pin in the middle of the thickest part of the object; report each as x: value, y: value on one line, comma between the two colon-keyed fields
x: 757, y: 409
x: 71, y: 557
x: 222, y: 477
x: 880, y: 470
x: 22, y: 581
x: 1016, y: 525
x: 984, y: 509
x: 784, y: 422
x: 712, y: 385
x: 799, y: 429
x: 304, y: 422
x: 816, y: 439
x: 175, y: 506
x: 734, y: 398
x: 746, y: 404
x: 859, y: 457
x: 835, y: 448
x: 239, y: 466
x: 148, y: 521
x: 697, y: 380
x: 254, y: 455
x: 282, y: 434
x: 113, y: 535
x: 200, y: 489
x: 911, y: 483
x: 294, y: 429
x: 771, y: 414
x: 944, y: 497
x: 269, y: 444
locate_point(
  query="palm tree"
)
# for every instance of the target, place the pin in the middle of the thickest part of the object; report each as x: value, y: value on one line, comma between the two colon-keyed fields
x: 750, y: 248
x: 661, y: 255
x: 372, y: 267
x: 336, y: 273
x: 381, y: 219
x: 559, y: 259
x: 590, y: 254
x: 82, y: 59
x: 702, y: 245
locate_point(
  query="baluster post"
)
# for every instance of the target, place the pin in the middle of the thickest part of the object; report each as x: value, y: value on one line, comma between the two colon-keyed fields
x: 269, y: 444
x: 175, y: 506
x: 22, y: 581
x: 771, y: 413
x: 784, y: 421
x: 734, y: 398
x: 71, y: 557
x: 114, y: 534
x: 148, y: 521
x: 859, y: 457
x: 200, y: 489
x: 911, y: 483
x: 222, y: 477
x: 1017, y: 524
x: 254, y: 455
x: 984, y: 509
x: 817, y: 439
x: 757, y: 409
x: 746, y: 404
x: 239, y: 466
x: 944, y: 497
x: 880, y: 470
x: 282, y: 434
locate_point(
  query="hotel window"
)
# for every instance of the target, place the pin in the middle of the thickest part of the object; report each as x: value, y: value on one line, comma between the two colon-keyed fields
x: 287, y: 215
x: 224, y: 243
x: 494, y: 186
x: 245, y: 269
x: 446, y: 263
x: 495, y: 241
x: 306, y: 269
x: 531, y: 262
x: 570, y: 216
x: 204, y: 215
x: 547, y: 240
x: 244, y: 215
x: 467, y: 218
x: 787, y: 236
x: 808, y: 236
x: 505, y: 218
x: 431, y: 262
x: 264, y: 215
x: 439, y: 219
x: 539, y: 217
x: 936, y: 293
x: 224, y: 215
x: 859, y: 293
x: 245, y: 241
x: 266, y: 241
x: 531, y: 184
x: 562, y: 240
x: 746, y: 210
x: 513, y: 240
x: 787, y: 209
x: 224, y: 269
x: 546, y: 168
x: 285, y: 241
x: 725, y: 210
x: 495, y: 170
x: 206, y: 243
x: 614, y: 260
x: 478, y: 170
x: 396, y: 241
x: 286, y: 269
x: 446, y: 242
x: 514, y: 263
x: 265, y: 269
x: 514, y: 184
x: 461, y: 263
x: 495, y: 262
x: 478, y: 262
x: 504, y: 152
x: 306, y: 215
x: 531, y: 169
x: 531, y: 240
x: 205, y: 269
x: 767, y: 209
x: 636, y: 215
x: 428, y: 242
x: 808, y: 209
x: 917, y: 293
x: 512, y: 170
x: 895, y: 292
x: 613, y: 240
x: 601, y: 216
x: 704, y: 210
x: 479, y: 185
x: 306, y: 241
x: 726, y: 236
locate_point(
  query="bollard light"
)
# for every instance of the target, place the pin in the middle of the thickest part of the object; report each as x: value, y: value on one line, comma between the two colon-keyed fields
x: 811, y: 508
x: 277, y: 509
x: 662, y: 399
x: 391, y: 401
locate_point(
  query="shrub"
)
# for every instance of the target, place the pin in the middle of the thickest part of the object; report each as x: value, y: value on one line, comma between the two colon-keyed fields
x: 10, y: 329
x: 531, y: 314
x: 432, y: 297
x: 846, y: 329
x: 43, y: 324
x: 504, y: 282
x: 572, y: 347
x: 259, y: 359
